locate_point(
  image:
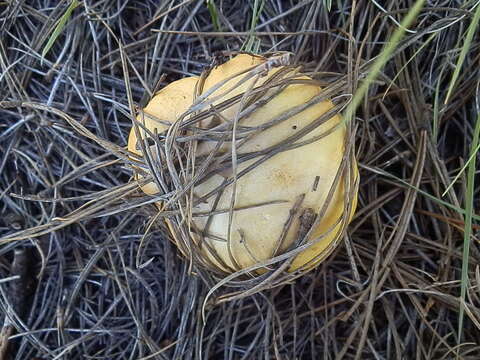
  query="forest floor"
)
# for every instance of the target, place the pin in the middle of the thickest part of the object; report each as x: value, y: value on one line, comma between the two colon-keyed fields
x: 84, y: 275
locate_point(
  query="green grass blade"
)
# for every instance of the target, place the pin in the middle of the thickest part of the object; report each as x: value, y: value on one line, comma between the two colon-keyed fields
x: 470, y: 159
x: 408, y: 62
x: 420, y: 191
x: 328, y: 4
x: 382, y: 59
x: 466, y: 46
x: 213, y: 14
x: 59, y: 27
x: 253, y: 43
x: 468, y: 225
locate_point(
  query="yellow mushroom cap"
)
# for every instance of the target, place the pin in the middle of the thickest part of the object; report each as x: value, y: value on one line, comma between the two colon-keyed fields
x: 309, y: 170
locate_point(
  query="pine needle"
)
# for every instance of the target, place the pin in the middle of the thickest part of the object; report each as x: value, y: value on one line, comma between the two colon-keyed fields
x: 60, y: 25
x: 465, y: 48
